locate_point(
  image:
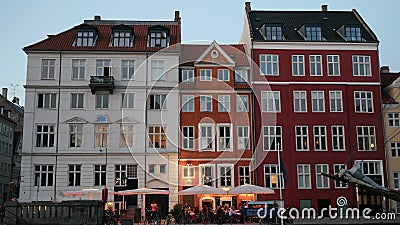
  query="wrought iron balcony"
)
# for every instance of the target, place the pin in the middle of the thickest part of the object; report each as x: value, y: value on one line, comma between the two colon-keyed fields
x: 102, y: 83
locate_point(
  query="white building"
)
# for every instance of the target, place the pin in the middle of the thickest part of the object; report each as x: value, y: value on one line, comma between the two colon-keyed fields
x: 91, y: 93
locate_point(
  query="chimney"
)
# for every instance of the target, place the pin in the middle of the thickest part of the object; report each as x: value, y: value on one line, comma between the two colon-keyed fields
x: 385, y: 69
x: 4, y: 92
x: 324, y: 8
x: 97, y: 18
x: 247, y: 6
x: 15, y: 100
x: 177, y: 16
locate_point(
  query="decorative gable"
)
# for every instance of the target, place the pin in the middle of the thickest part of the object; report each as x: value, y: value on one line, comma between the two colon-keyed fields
x: 126, y: 120
x: 76, y: 120
x: 216, y: 55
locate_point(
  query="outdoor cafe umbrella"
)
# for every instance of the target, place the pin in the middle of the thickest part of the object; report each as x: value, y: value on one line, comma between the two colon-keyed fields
x: 250, y: 189
x: 202, y: 189
x: 142, y: 191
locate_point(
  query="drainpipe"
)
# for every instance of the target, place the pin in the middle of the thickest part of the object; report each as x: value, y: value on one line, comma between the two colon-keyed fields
x: 58, y: 129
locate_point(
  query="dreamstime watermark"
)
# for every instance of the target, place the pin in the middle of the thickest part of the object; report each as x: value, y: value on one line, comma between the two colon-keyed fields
x: 342, y: 212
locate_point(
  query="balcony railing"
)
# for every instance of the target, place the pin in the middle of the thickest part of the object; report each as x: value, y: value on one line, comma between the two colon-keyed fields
x: 102, y: 83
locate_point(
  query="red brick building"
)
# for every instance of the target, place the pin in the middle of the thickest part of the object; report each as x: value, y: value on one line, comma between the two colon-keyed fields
x: 215, y: 120
x: 317, y: 99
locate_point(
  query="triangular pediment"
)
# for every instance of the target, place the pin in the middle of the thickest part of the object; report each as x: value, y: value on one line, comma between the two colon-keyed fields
x: 215, y: 54
x: 127, y: 120
x: 76, y: 120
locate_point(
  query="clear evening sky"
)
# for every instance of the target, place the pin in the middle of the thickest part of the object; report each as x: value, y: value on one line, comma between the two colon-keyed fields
x: 24, y: 22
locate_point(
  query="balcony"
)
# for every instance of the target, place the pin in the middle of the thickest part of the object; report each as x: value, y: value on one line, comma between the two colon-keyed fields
x: 102, y: 83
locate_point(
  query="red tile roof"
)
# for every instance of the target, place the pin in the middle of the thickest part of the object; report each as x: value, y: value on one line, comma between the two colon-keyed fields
x: 64, y: 40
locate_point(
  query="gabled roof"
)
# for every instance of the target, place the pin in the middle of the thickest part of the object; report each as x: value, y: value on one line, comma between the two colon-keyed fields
x: 64, y: 41
x: 388, y: 79
x: 196, y: 53
x: 292, y: 21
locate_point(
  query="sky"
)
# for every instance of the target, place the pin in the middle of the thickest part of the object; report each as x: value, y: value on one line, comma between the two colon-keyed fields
x: 27, y: 22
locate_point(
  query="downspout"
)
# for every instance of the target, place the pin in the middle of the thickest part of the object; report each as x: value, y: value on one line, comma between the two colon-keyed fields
x: 145, y: 120
x: 58, y: 129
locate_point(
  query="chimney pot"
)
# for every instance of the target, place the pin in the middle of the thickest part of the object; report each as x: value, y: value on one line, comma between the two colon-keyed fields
x: 385, y: 69
x: 177, y: 15
x: 4, y: 92
x: 247, y: 6
x: 324, y: 8
x: 97, y: 18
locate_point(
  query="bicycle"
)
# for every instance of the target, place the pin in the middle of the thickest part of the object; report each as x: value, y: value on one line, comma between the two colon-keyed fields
x: 152, y: 217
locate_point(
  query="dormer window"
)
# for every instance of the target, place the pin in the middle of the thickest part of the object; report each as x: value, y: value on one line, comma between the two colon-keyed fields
x: 273, y: 32
x: 158, y: 37
x: 86, y: 35
x: 122, y: 36
x: 353, y: 33
x: 313, y: 33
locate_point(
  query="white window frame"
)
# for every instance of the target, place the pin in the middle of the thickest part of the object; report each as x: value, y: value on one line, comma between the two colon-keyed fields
x: 127, y: 136
x: 338, y: 136
x: 74, y: 175
x: 46, y: 170
x: 335, y: 101
x: 223, y: 75
x: 161, y: 136
x: 315, y: 65
x: 244, y: 175
x: 78, y: 69
x: 369, y: 138
x: 300, y: 101
x: 272, y: 138
x: 336, y: 169
x: 102, y: 66
x: 157, y: 70
x: 188, y: 171
x: 361, y: 65
x: 333, y: 65
x: 224, y: 142
x: 322, y: 182
x: 303, y: 137
x: 127, y: 69
x: 270, y: 64
x: 206, y: 103
x: 207, y: 139
x: 49, y: 135
x: 243, y: 137
x: 157, y: 102
x: 223, y: 169
x: 102, y: 101
x: 318, y: 101
x: 205, y: 74
x: 47, y: 101
x: 363, y: 99
x: 271, y: 101
x: 187, y: 140
x: 48, y: 69
x: 298, y: 65
x: 77, y: 101
x: 272, y: 170
x: 395, y: 149
x: 100, y: 171
x: 394, y: 119
x: 162, y: 168
x: 320, y: 138
x: 242, y: 103
x: 241, y: 76
x: 187, y: 103
x: 224, y: 103
x: 188, y: 75
x: 396, y: 180
x: 152, y: 168
x: 211, y: 178
x: 127, y: 100
x: 75, y: 135
x: 304, y: 176
x: 101, y: 135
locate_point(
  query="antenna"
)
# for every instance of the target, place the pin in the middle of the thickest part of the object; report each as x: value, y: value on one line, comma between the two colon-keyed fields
x: 13, y: 87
